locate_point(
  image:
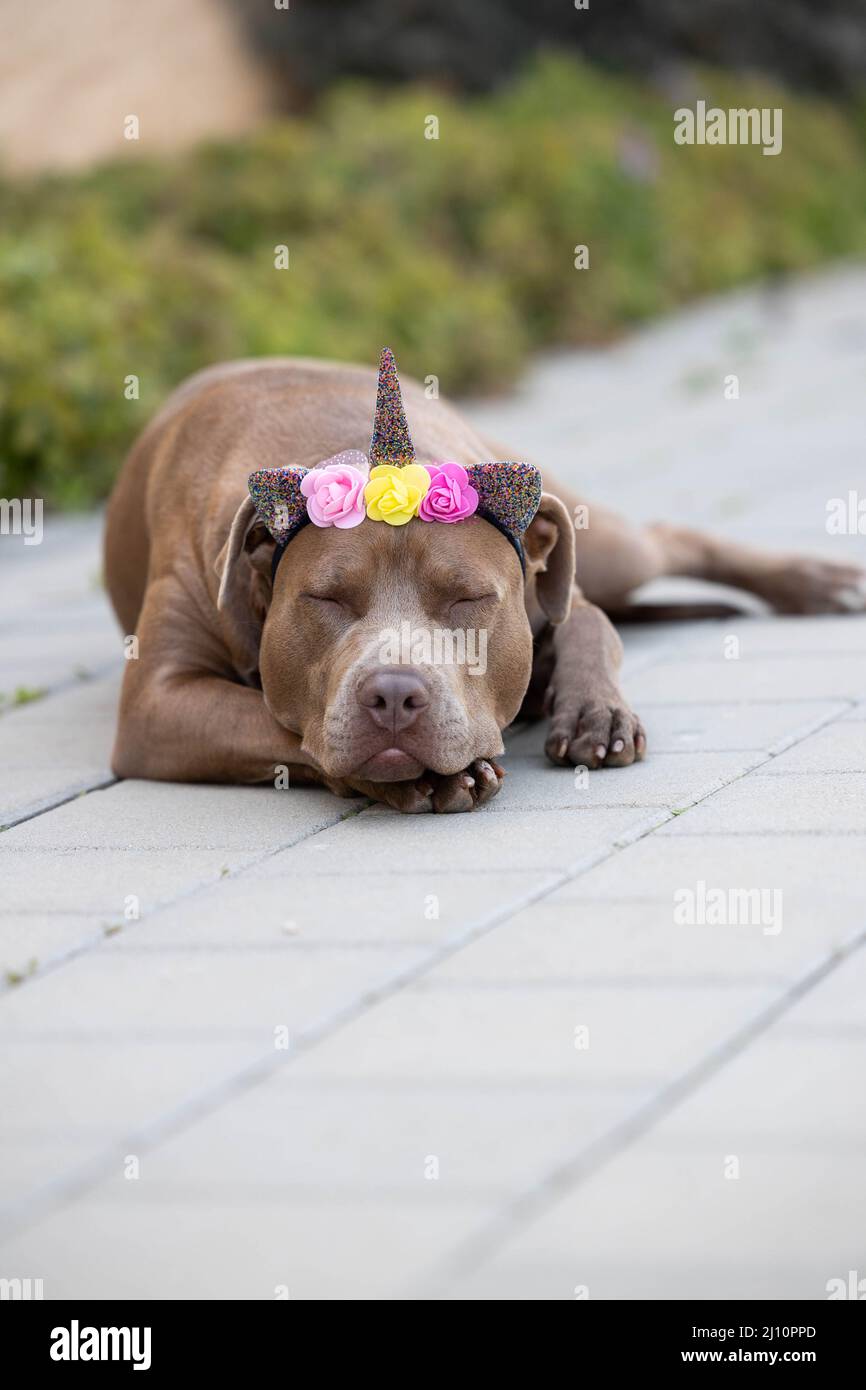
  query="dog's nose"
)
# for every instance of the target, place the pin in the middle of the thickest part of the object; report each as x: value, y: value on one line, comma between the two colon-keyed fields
x: 393, y: 699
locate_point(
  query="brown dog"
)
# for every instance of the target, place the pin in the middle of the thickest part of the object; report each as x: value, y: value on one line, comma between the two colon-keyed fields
x: 238, y: 676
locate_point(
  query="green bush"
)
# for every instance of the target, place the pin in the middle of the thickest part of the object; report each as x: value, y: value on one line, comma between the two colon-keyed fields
x: 457, y: 251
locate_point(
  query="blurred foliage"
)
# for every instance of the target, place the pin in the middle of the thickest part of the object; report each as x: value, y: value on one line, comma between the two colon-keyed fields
x: 458, y: 251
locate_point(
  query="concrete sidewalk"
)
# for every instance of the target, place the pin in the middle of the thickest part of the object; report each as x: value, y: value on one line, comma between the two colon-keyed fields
x: 263, y: 1043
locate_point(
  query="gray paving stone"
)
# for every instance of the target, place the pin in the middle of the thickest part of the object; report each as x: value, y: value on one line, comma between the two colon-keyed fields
x: 27, y: 1164
x: 30, y: 791
x: 271, y: 902
x: 61, y: 572
x: 137, y: 815
x: 40, y: 662
x: 80, y: 1089
x: 75, y: 726
x: 762, y: 678
x: 663, y: 1225
x: 781, y: 1117
x: 138, y: 1246
x: 286, y: 1137
x: 101, y: 880
x: 577, y: 942
x: 30, y: 940
x: 665, y: 779
x: 783, y: 636
x: 78, y: 612
x: 718, y: 727
x: 652, y: 641
x: 829, y: 869
x: 787, y: 1093
x: 57, y: 746
x: 837, y: 748
x: 381, y: 841
x: 636, y: 1035
x: 112, y: 993
x: 838, y: 1005
x: 801, y: 802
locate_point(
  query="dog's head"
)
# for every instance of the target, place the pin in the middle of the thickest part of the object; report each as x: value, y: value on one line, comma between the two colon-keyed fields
x: 393, y: 648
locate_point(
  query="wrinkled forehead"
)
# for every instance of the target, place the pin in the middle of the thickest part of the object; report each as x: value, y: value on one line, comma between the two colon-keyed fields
x: 373, y: 564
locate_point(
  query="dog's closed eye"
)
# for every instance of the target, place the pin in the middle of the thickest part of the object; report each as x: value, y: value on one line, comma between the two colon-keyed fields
x: 474, y: 601
x: 329, y: 601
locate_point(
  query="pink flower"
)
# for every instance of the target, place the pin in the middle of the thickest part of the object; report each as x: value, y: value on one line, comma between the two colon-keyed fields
x: 451, y: 496
x: 335, y: 490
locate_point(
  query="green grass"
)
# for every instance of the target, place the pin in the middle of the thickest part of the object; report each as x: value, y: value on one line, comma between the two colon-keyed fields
x: 22, y: 695
x: 17, y: 977
x: 458, y: 252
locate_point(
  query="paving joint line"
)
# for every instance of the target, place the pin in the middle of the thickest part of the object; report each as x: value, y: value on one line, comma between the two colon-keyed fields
x: 63, y: 687
x: 93, y: 942
x: 73, y: 1184
x: 37, y: 809
x: 566, y: 1177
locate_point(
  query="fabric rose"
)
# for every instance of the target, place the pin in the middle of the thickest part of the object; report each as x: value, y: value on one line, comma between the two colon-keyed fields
x: 394, y: 494
x: 451, y: 496
x: 335, y: 490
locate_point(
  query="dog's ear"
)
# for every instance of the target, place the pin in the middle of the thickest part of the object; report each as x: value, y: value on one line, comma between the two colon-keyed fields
x: 549, y: 546
x: 244, y: 569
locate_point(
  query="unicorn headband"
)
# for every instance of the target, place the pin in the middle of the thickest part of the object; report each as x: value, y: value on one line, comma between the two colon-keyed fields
x: 391, y: 487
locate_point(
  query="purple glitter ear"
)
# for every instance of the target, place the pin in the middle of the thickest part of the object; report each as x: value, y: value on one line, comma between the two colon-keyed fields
x: 391, y: 442
x: 508, y: 493
x: 279, y: 501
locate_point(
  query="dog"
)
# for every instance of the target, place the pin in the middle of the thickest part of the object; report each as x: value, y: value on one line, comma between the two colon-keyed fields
x: 257, y: 655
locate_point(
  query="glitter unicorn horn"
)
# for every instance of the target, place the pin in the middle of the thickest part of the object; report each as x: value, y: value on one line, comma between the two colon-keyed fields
x: 391, y: 442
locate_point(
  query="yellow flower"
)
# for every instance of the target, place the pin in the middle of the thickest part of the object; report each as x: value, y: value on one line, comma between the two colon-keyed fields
x: 394, y: 494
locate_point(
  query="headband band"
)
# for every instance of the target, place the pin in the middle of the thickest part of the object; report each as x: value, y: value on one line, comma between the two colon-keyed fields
x: 281, y: 546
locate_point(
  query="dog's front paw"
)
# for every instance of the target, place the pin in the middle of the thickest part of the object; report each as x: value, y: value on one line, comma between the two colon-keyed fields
x: 458, y: 791
x: 596, y: 733
x: 463, y: 791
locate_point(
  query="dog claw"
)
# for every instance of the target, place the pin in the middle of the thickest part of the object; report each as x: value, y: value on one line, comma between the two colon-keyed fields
x: 490, y: 772
x: 598, y: 733
x: 464, y: 791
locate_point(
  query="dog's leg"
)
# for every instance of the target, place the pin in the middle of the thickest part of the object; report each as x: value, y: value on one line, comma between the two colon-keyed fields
x: 614, y: 557
x: 575, y: 670
x: 591, y: 724
x: 181, y: 718
x: 187, y: 726
x: 788, y: 583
